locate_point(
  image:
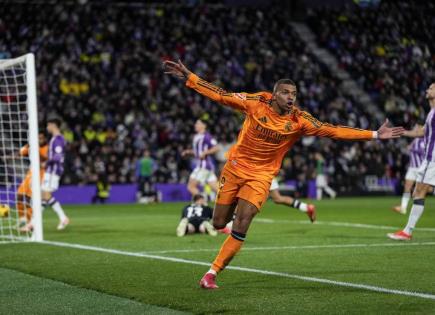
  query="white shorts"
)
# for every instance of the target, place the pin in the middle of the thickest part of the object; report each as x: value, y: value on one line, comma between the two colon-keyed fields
x: 321, y: 181
x: 426, y: 173
x: 50, y: 182
x: 274, y: 185
x: 203, y: 175
x: 411, y: 173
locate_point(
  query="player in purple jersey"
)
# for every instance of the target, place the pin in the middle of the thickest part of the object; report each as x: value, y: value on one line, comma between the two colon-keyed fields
x: 54, y: 170
x: 204, y: 146
x: 416, y: 155
x: 426, y: 172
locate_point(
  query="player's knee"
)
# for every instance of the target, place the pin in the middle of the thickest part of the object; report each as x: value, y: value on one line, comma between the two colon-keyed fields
x: 46, y: 195
x: 218, y: 225
x: 201, y: 228
x: 278, y: 199
x: 190, y: 229
x: 419, y: 192
x: 192, y: 190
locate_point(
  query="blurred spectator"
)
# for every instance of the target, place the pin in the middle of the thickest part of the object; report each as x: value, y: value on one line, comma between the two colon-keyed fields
x: 145, y: 168
x: 98, y: 67
x: 103, y: 190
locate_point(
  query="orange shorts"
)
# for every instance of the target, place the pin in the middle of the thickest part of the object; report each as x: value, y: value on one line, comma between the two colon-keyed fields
x: 234, y: 184
x: 25, y: 187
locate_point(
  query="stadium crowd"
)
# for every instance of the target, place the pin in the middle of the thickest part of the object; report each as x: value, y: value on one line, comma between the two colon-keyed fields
x: 387, y: 48
x: 99, y: 68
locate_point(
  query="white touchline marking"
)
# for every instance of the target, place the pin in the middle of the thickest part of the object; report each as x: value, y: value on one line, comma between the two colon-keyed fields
x: 252, y: 270
x: 344, y: 224
x: 266, y: 248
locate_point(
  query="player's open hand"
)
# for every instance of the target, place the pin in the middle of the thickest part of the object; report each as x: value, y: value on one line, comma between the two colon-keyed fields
x: 385, y: 132
x: 187, y: 152
x: 177, y: 69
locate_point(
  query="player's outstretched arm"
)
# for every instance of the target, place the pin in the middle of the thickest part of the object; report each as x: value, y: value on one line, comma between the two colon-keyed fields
x: 239, y: 101
x: 416, y: 132
x: 314, y: 127
x: 385, y: 132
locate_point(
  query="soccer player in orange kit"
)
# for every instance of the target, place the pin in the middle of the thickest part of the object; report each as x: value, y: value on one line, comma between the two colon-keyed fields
x: 24, y: 192
x: 271, y: 127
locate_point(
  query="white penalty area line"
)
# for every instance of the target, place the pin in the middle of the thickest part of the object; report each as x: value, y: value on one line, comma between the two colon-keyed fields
x: 272, y: 248
x: 340, y: 224
x: 251, y: 270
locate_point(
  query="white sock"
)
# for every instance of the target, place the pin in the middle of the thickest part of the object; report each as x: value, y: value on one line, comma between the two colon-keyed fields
x: 302, y: 206
x: 212, y: 272
x: 319, y: 193
x: 416, y: 212
x: 405, y: 200
x: 59, y: 211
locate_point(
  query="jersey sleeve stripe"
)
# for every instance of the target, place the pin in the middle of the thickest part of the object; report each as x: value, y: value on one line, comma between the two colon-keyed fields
x: 214, y: 89
x: 211, y: 86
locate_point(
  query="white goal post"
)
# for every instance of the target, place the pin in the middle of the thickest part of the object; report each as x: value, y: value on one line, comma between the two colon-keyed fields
x: 18, y: 127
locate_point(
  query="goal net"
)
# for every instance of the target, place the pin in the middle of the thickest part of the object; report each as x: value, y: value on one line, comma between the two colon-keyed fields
x: 20, y: 194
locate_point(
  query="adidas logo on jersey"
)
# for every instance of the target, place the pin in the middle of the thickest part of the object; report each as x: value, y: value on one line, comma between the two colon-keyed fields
x: 263, y: 119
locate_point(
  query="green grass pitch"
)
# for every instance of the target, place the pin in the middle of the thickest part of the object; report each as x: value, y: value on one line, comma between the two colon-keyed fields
x: 117, y: 274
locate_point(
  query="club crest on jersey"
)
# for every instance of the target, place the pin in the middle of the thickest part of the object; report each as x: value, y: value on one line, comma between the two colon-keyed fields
x: 288, y: 126
x: 263, y: 120
x: 241, y: 96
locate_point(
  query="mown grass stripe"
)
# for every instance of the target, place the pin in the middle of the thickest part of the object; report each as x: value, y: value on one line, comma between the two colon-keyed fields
x: 244, y: 269
x: 271, y: 248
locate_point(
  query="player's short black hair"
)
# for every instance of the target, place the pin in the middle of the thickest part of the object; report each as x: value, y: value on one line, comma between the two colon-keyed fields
x: 283, y: 81
x: 197, y: 197
x: 54, y: 120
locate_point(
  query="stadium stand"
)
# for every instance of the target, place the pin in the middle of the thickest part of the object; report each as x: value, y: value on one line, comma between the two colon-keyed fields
x: 99, y: 69
x: 387, y: 48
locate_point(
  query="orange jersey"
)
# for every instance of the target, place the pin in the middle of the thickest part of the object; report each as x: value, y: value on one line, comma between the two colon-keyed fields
x: 266, y: 136
x: 25, y: 187
x: 43, y: 153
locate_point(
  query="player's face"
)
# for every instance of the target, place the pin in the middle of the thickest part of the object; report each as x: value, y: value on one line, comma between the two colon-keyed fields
x: 51, y: 127
x: 430, y: 92
x: 285, y: 96
x: 201, y: 201
x: 199, y: 126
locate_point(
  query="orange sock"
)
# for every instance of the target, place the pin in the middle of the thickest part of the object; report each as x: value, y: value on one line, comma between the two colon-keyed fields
x: 229, y: 249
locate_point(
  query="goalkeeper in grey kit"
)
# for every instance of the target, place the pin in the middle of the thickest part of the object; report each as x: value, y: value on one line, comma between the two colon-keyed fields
x: 196, y: 217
